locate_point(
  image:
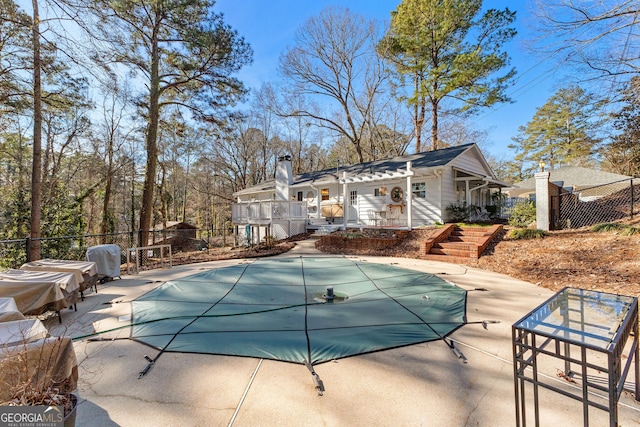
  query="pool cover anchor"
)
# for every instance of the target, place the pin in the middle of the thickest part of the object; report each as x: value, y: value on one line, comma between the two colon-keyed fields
x: 317, y: 382
x: 455, y: 350
x: 150, y: 363
x: 486, y: 323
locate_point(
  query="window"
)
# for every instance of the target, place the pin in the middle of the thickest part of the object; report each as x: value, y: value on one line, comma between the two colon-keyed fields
x: 325, y: 194
x: 299, y: 196
x: 353, y: 196
x: 419, y: 189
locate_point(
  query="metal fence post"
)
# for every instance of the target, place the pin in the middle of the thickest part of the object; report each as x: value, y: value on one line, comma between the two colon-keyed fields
x: 632, y: 198
x: 27, y: 246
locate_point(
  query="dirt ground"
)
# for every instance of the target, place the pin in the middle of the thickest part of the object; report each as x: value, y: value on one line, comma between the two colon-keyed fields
x: 606, y: 261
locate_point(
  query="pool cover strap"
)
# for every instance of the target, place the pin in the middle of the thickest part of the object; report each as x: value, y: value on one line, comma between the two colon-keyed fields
x: 274, y: 309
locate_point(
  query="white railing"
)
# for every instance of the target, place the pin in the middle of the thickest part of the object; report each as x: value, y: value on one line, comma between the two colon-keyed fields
x: 265, y: 211
x: 137, y: 257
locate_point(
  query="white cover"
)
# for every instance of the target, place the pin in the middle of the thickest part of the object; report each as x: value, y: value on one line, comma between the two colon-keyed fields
x: 9, y: 310
x: 33, y: 291
x: 107, y: 259
x: 78, y: 268
x: 66, y: 281
x: 21, y: 331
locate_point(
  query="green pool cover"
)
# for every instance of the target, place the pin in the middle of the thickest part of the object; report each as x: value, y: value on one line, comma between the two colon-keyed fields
x: 277, y: 309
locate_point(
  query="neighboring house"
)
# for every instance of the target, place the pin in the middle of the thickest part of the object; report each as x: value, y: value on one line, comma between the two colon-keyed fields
x: 180, y: 235
x: 177, y: 228
x: 402, y: 192
x: 574, y: 179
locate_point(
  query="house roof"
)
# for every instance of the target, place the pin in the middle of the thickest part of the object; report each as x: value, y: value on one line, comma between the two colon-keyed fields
x: 571, y: 176
x: 175, y: 225
x: 426, y: 159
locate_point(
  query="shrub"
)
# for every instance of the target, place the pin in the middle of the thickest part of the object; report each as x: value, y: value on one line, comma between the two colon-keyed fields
x: 526, y: 233
x: 630, y: 231
x: 458, y: 212
x: 608, y: 227
x: 354, y: 235
x: 523, y: 214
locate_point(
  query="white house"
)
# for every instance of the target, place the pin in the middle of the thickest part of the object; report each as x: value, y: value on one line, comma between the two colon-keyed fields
x: 402, y: 192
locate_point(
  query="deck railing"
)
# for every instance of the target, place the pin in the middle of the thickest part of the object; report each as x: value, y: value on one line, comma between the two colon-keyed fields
x: 268, y: 210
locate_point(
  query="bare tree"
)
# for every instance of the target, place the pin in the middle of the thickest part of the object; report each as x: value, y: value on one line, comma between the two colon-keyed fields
x: 601, y: 35
x: 111, y: 136
x: 334, y: 59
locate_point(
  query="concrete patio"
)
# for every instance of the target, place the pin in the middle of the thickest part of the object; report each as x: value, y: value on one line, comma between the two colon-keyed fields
x: 420, y: 385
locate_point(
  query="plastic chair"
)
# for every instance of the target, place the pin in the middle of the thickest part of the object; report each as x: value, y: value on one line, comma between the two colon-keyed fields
x: 373, y: 217
x: 392, y: 216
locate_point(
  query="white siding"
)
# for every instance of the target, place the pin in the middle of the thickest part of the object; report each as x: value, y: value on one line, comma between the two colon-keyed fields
x: 471, y: 162
x: 428, y: 210
x: 448, y: 188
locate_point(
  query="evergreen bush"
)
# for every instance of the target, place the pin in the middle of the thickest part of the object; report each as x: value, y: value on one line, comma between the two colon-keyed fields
x: 526, y: 233
x: 523, y: 214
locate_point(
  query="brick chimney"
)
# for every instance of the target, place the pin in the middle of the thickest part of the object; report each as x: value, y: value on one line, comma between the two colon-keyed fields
x: 284, y: 177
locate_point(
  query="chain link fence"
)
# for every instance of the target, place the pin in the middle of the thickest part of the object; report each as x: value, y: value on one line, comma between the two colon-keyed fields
x: 14, y: 253
x: 595, y: 205
x: 508, y: 205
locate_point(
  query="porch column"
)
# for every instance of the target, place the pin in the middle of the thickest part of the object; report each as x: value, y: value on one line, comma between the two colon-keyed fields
x: 318, y: 198
x: 409, y: 198
x: 345, y: 200
x: 543, y: 201
x: 467, y: 193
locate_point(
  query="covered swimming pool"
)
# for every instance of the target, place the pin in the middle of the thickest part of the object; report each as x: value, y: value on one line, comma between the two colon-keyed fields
x: 305, y: 310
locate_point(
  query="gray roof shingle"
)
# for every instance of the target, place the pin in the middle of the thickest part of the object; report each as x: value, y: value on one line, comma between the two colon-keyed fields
x: 575, y: 176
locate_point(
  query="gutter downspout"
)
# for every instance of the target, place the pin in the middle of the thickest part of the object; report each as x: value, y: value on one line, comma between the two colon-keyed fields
x: 345, y: 208
x: 409, y: 199
x: 486, y: 183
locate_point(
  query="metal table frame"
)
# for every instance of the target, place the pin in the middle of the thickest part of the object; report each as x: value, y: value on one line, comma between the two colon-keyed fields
x: 589, y: 323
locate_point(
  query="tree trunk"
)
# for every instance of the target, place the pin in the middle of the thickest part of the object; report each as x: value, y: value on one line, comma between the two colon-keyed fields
x: 106, y: 214
x: 36, y: 168
x: 359, y: 151
x: 146, y: 209
x: 417, y: 123
x: 434, y: 126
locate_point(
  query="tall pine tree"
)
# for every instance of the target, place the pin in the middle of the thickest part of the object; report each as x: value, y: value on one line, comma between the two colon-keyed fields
x: 563, y: 132
x: 447, y: 49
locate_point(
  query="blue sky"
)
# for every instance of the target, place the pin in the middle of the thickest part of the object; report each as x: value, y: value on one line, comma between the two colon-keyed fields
x: 269, y: 26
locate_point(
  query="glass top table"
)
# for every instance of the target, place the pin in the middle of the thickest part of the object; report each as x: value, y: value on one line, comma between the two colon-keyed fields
x: 586, y: 329
x: 581, y: 317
